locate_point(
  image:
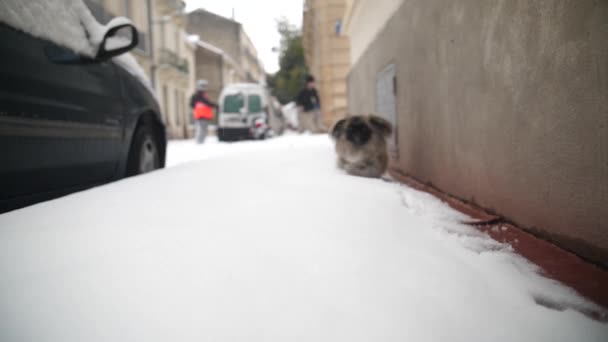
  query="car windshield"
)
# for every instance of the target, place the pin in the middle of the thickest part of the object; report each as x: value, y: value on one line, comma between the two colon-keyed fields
x: 254, y: 105
x: 233, y: 103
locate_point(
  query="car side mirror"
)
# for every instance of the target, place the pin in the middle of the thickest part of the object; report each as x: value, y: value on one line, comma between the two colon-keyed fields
x: 120, y: 37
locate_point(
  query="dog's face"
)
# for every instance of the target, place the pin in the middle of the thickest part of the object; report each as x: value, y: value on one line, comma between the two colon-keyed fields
x: 361, y: 144
x: 359, y: 130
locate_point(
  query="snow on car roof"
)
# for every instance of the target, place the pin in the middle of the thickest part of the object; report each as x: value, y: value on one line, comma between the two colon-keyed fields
x: 68, y: 23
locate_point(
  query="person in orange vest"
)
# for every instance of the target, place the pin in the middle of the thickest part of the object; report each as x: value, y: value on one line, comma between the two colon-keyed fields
x: 202, y: 110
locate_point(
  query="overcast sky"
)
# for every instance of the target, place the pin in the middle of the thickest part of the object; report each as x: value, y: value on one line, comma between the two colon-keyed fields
x: 258, y: 18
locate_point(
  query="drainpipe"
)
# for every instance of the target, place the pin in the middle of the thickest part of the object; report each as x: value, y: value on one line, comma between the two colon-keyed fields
x: 222, y: 71
x: 151, y: 44
x: 222, y: 83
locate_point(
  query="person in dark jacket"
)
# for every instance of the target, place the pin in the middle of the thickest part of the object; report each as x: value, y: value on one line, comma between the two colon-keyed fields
x: 309, y: 106
x: 202, y: 110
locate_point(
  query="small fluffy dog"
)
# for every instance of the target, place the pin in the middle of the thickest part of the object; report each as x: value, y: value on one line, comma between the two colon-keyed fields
x: 361, y: 144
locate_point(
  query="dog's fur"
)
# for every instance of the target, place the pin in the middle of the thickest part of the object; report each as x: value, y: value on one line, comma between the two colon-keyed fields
x: 361, y: 144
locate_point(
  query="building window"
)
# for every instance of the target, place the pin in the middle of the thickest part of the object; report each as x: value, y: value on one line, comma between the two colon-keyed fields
x: 177, y: 41
x: 177, y: 104
x: 186, y: 109
x: 189, y: 110
x: 162, y: 34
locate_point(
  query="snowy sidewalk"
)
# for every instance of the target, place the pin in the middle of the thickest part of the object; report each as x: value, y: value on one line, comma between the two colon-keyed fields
x: 268, y: 241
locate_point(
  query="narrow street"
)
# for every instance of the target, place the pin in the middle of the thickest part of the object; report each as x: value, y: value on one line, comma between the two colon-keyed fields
x: 264, y: 241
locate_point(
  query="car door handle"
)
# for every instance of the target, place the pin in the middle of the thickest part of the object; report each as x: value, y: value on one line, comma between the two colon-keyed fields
x: 113, y: 122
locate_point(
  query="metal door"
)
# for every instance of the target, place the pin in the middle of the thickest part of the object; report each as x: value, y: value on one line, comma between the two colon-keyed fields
x: 386, y: 104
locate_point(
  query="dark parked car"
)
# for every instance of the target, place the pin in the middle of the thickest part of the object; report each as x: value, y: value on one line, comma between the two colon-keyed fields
x: 69, y: 122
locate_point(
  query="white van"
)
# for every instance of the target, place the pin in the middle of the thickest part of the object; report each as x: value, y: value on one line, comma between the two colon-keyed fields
x: 243, y: 106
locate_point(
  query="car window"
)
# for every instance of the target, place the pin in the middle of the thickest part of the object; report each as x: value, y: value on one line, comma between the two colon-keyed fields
x: 254, y: 104
x: 60, y: 54
x: 233, y: 103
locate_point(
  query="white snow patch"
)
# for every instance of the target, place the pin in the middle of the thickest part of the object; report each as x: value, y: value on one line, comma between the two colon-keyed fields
x: 268, y: 241
x: 193, y: 38
x: 116, y: 42
x: 117, y: 21
x: 183, y: 151
x: 290, y: 111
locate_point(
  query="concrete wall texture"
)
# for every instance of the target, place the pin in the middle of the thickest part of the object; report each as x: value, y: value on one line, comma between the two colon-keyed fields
x: 214, y: 29
x: 209, y: 67
x: 365, y: 29
x: 503, y: 103
x: 229, y: 36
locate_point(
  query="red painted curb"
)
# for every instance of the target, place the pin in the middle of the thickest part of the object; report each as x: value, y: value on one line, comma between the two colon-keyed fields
x: 556, y: 263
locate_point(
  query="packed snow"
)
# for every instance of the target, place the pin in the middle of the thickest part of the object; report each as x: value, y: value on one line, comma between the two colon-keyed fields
x: 268, y: 241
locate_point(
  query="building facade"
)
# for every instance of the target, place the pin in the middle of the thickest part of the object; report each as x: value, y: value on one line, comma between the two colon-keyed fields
x: 499, y: 103
x: 174, y: 73
x: 327, y: 52
x: 228, y: 36
x: 163, y: 52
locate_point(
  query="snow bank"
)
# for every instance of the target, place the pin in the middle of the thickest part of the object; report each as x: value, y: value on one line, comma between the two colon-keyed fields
x: 184, y: 151
x: 267, y: 242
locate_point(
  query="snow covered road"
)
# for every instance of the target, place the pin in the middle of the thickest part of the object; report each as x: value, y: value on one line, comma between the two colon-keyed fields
x: 267, y: 241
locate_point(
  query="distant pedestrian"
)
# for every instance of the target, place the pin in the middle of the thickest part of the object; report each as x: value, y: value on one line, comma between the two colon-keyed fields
x: 309, y: 106
x: 202, y: 110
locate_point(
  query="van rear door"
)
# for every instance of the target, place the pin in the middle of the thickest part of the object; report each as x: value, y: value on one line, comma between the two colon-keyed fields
x: 231, y: 111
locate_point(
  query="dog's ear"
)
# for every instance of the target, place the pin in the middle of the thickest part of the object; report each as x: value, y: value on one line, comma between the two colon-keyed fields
x: 338, y: 128
x: 383, y: 126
